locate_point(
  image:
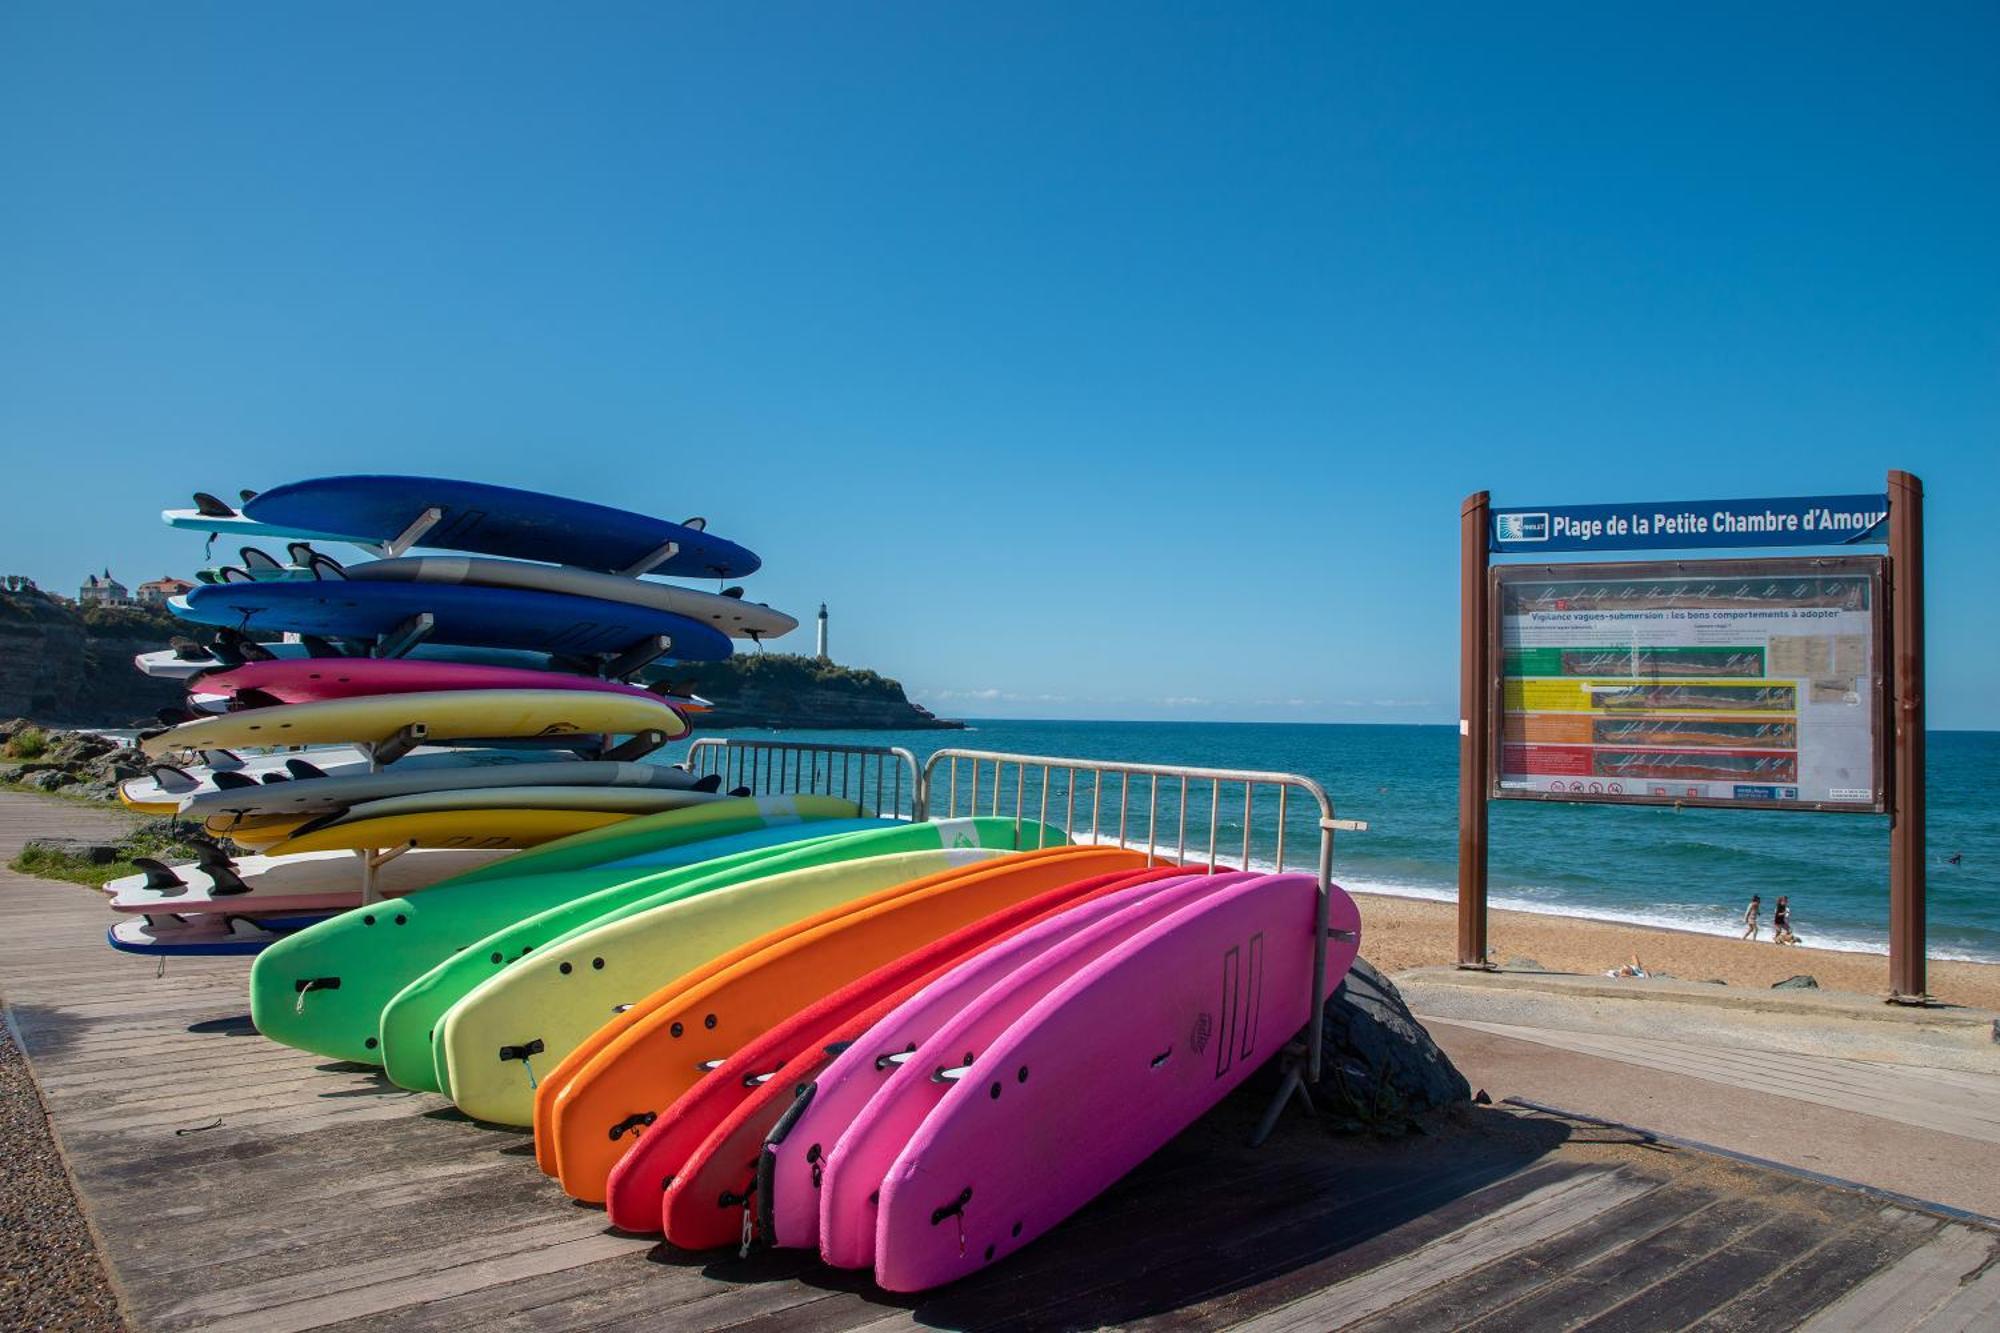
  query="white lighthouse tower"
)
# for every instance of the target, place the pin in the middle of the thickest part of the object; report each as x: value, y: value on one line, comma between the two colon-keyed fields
x: 822, y: 633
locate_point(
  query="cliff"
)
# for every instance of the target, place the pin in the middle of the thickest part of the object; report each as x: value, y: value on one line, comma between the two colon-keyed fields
x: 780, y: 690
x: 71, y: 666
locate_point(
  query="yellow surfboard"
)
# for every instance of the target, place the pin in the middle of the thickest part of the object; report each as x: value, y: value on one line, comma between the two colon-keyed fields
x: 449, y: 828
x: 447, y: 714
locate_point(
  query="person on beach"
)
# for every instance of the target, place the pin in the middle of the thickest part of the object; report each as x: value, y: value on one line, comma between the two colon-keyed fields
x: 1781, y: 922
x: 1750, y: 915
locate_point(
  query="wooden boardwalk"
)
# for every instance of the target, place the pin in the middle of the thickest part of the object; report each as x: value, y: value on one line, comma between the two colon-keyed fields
x: 237, y: 1184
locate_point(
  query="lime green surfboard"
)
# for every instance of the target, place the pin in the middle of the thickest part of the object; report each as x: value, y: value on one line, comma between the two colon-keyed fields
x: 644, y: 835
x: 546, y: 1005
x: 323, y: 989
x: 411, y: 1020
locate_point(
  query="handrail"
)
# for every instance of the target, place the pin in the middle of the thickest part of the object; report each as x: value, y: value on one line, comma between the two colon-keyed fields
x: 1183, y: 781
x: 810, y: 768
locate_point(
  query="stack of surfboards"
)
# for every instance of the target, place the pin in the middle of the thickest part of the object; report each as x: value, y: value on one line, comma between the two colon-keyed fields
x: 476, y: 701
x: 912, y: 1047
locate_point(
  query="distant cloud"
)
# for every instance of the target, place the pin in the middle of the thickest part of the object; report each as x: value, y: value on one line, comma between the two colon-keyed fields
x: 990, y: 695
x: 1185, y: 701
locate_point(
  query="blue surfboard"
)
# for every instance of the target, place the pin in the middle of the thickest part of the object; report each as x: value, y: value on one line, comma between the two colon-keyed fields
x: 549, y: 622
x: 502, y: 521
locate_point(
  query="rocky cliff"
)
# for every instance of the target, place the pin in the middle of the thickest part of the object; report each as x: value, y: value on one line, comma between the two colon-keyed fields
x: 62, y: 664
x: 781, y: 690
x: 72, y: 666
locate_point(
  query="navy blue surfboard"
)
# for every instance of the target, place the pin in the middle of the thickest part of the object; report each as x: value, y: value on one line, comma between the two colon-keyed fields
x: 502, y: 521
x: 549, y: 622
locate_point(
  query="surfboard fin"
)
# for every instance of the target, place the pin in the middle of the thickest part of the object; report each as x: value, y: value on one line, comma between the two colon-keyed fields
x: 736, y: 592
x: 740, y: 791
x: 315, y: 646
x: 173, y: 716
x: 697, y: 523
x: 227, y: 781
x: 254, y: 698
x: 225, y: 880
x: 301, y: 769
x: 254, y: 559
x: 711, y: 783
x: 326, y: 568
x: 173, y: 780
x: 271, y: 779
x: 209, y: 507
x: 160, y: 876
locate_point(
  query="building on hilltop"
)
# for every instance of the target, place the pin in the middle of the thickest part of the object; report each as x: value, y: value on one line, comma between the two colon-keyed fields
x: 102, y: 591
x: 155, y: 592
x: 822, y: 634
x: 17, y: 583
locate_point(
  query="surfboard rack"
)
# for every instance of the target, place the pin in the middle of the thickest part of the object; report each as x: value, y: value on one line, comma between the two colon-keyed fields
x: 385, y: 753
x: 634, y: 747
x: 399, y: 641
x: 410, y: 535
x: 638, y: 657
x: 652, y: 560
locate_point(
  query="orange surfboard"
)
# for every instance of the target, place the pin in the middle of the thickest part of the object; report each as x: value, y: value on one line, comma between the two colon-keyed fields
x: 599, y: 1114
x: 551, y: 1085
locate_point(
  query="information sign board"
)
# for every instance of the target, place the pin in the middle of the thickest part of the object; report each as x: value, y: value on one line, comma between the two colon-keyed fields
x: 1723, y: 682
x: 1671, y: 525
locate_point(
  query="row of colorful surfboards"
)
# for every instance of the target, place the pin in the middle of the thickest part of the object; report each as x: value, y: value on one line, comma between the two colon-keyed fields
x: 914, y: 1047
x: 512, y: 686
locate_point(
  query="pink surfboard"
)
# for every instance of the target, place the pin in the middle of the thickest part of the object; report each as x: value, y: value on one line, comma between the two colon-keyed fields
x: 310, y: 679
x: 1100, y: 1073
x: 797, y: 1181
x: 681, y: 1150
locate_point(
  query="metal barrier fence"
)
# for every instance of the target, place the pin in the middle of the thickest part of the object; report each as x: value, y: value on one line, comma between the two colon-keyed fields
x: 1191, y: 816
x: 882, y: 780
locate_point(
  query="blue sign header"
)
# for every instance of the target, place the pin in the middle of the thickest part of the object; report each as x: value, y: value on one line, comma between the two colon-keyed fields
x: 1797, y: 520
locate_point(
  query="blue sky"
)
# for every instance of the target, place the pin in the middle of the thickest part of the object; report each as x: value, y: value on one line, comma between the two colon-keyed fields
x: 1100, y: 361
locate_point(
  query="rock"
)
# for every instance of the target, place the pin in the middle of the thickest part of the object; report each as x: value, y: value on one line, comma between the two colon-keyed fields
x: 1801, y: 982
x: 1380, y: 1070
x: 96, y: 791
x: 48, y: 779
x: 75, y: 849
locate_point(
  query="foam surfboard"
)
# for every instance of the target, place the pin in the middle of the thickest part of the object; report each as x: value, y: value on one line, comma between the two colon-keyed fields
x: 469, y: 829
x: 657, y: 1057
x: 213, y: 936
x: 166, y: 787
x: 485, y: 617
x: 563, y: 796
x: 307, y: 796
x: 492, y: 1081
x: 412, y: 1023
x: 1100, y: 1073
x: 415, y: 1021
x: 353, y: 965
x: 732, y: 615
x: 962, y: 1019
x: 318, y: 881
x: 703, y: 1151
x: 192, y: 660
x: 500, y: 520
x: 559, y: 997
x: 795, y: 1156
x: 448, y: 714
x: 309, y: 680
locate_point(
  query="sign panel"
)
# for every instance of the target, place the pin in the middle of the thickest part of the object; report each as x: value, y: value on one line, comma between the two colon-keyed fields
x: 1724, y: 682
x: 1799, y: 520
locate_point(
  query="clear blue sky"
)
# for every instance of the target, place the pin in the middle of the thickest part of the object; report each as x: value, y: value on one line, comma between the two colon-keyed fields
x: 1099, y: 360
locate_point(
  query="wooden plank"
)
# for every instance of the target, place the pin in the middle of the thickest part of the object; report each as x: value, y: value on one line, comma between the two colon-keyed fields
x: 1905, y: 1294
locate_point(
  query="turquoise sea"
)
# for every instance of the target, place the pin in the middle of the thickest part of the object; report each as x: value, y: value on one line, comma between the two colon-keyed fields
x: 1690, y: 869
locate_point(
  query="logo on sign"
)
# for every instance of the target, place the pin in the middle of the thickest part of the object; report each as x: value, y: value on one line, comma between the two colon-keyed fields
x: 1521, y: 527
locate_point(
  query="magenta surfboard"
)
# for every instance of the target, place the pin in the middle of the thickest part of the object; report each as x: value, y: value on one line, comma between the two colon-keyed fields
x: 1100, y: 1073
x: 309, y: 679
x: 821, y: 1164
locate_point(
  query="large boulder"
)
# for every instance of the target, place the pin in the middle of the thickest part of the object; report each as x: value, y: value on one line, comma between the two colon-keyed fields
x: 1379, y: 1069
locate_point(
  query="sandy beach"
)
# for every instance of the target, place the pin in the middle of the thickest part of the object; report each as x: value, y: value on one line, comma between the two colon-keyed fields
x: 1400, y: 933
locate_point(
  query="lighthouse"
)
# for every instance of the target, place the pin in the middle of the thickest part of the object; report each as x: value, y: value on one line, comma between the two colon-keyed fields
x: 822, y: 633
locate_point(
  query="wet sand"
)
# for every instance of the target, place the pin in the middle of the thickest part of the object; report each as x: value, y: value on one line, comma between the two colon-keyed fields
x: 1399, y: 933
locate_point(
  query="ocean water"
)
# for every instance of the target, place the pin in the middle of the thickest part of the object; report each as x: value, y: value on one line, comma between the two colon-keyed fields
x: 1689, y: 869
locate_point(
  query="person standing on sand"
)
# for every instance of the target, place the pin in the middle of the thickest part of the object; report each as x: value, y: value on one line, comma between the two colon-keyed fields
x: 1750, y: 915
x: 1781, y: 922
